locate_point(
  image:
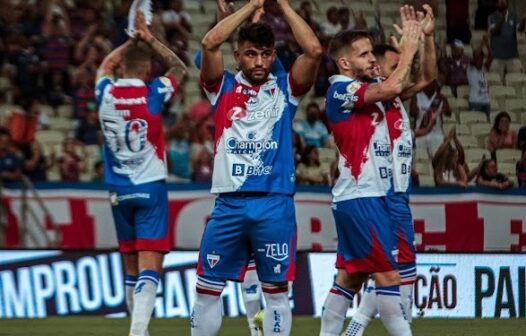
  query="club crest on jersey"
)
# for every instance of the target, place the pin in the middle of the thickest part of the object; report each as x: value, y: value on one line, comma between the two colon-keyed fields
x: 212, y: 259
x: 353, y: 87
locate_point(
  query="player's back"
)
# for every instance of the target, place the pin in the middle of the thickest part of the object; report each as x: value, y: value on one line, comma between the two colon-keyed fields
x: 131, y: 121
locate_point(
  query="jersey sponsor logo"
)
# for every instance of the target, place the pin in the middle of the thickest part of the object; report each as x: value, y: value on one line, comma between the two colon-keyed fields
x: 401, y: 125
x: 246, y: 92
x: 238, y: 113
x: 348, y: 99
x: 276, y: 251
x: 212, y: 259
x: 385, y: 172
x: 381, y: 149
x: 249, y: 146
x: 404, y: 151
x: 126, y: 101
x: 238, y: 169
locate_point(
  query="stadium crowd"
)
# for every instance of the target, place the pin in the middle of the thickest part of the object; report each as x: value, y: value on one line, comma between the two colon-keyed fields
x: 467, y: 124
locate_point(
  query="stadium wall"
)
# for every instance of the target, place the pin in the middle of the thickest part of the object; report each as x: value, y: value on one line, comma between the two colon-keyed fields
x: 42, y: 283
x: 445, y: 219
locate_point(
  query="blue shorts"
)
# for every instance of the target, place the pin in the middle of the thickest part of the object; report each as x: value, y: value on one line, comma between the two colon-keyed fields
x: 141, y: 217
x: 400, y: 213
x: 245, y: 224
x: 365, y: 235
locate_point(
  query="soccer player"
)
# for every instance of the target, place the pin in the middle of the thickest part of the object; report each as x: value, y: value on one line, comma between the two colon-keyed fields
x: 387, y: 58
x: 253, y: 166
x: 135, y: 168
x: 355, y: 109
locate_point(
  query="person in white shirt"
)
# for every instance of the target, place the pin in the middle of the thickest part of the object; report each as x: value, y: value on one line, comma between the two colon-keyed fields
x: 479, y: 99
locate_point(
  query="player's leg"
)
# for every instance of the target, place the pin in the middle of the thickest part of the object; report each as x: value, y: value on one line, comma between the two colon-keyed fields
x: 353, y: 220
x: 273, y: 239
x: 131, y: 268
x: 366, y: 311
x: 251, y: 293
x: 400, y: 212
x: 338, y: 300
x: 152, y: 242
x: 223, y: 255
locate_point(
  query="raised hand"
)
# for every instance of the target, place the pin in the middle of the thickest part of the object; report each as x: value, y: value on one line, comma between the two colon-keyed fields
x: 260, y: 3
x: 224, y: 9
x: 428, y: 22
x: 142, y: 32
x: 410, y: 37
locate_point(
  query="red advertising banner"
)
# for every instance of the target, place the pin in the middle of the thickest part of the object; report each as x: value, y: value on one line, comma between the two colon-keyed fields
x: 453, y: 222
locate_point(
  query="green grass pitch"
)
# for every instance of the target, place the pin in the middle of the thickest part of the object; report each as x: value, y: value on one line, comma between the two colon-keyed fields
x: 302, y: 326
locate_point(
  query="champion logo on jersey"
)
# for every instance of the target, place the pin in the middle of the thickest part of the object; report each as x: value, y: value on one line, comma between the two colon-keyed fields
x: 212, y: 259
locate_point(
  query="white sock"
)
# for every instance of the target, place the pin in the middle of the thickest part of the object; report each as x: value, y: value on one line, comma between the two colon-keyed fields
x: 131, y: 281
x: 335, y: 310
x: 366, y: 311
x: 408, y: 277
x: 251, y: 292
x: 207, y: 312
x: 391, y: 311
x: 278, y: 316
x: 143, y: 301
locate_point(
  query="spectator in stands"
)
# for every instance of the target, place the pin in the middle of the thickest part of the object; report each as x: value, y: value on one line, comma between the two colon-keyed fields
x: 449, y: 164
x: 24, y: 124
x: 70, y: 164
x: 177, y: 21
x: 312, y: 130
x: 490, y: 177
x: 298, y: 146
x: 332, y: 25
x: 455, y: 66
x: 479, y: 99
x: 521, y: 137
x: 326, y: 69
x: 344, y: 16
x: 88, y: 131
x: 83, y: 93
x: 503, y: 26
x: 306, y: 13
x: 288, y: 52
x: 203, y: 166
x: 521, y: 169
x: 179, y: 152
x: 484, y: 9
x: 427, y: 108
x: 309, y: 170
x: 98, y: 170
x: 200, y: 109
x: 501, y: 136
x: 35, y: 163
x: 275, y: 19
x: 10, y: 164
x: 24, y: 57
x: 457, y: 21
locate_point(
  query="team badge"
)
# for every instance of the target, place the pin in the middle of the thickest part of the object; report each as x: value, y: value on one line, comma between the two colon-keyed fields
x: 353, y: 87
x: 212, y: 259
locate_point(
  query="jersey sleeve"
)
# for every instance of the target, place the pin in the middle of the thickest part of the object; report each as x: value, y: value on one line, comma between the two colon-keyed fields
x: 160, y: 90
x: 295, y: 90
x: 213, y: 91
x: 100, y: 87
x: 346, y: 97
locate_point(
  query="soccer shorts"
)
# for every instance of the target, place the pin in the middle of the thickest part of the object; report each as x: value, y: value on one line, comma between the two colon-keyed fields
x: 400, y: 213
x: 141, y: 217
x: 365, y: 235
x: 243, y: 223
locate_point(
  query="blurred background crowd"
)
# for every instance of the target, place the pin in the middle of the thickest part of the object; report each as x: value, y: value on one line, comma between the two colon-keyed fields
x: 468, y: 125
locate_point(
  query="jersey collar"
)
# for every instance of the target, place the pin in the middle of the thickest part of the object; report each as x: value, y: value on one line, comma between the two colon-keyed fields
x: 241, y: 79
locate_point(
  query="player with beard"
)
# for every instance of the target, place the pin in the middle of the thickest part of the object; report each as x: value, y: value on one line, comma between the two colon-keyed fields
x: 387, y: 59
x: 355, y: 108
x: 253, y: 166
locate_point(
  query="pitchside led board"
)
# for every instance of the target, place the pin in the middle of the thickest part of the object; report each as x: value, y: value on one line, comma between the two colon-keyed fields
x: 46, y: 283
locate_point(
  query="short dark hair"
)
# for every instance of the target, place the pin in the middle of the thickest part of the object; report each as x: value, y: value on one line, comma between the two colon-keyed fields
x: 380, y: 50
x: 496, y: 122
x: 259, y: 33
x: 345, y: 39
x: 312, y: 104
x: 136, y: 54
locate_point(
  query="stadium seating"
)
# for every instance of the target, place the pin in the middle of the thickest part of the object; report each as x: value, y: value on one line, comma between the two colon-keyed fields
x: 508, y: 155
x: 472, y: 117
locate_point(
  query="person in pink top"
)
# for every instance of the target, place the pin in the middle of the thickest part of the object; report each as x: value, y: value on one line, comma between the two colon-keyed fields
x: 501, y: 136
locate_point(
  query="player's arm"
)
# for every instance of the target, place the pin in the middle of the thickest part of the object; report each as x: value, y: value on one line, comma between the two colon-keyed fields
x: 427, y: 56
x: 112, y: 61
x: 399, y: 80
x: 176, y: 67
x: 305, y: 68
x: 212, y: 58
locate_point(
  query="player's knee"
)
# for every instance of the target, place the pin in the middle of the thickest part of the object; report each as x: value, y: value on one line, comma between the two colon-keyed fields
x: 391, y: 278
x: 350, y: 281
x: 274, y: 287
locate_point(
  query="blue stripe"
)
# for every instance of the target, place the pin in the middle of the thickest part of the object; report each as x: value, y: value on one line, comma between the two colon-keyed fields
x: 347, y: 293
x: 436, y: 264
x: 387, y: 293
x: 152, y: 275
x: 131, y: 278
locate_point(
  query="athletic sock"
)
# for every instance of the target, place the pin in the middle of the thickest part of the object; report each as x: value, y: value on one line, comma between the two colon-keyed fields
x: 407, y: 279
x: 278, y: 316
x: 143, y: 301
x: 207, y: 312
x: 391, y: 311
x: 130, y: 282
x: 335, y: 310
x: 366, y: 311
x: 251, y: 293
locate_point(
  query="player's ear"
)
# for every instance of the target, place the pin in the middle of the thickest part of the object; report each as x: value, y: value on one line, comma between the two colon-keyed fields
x: 237, y: 55
x: 343, y: 63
